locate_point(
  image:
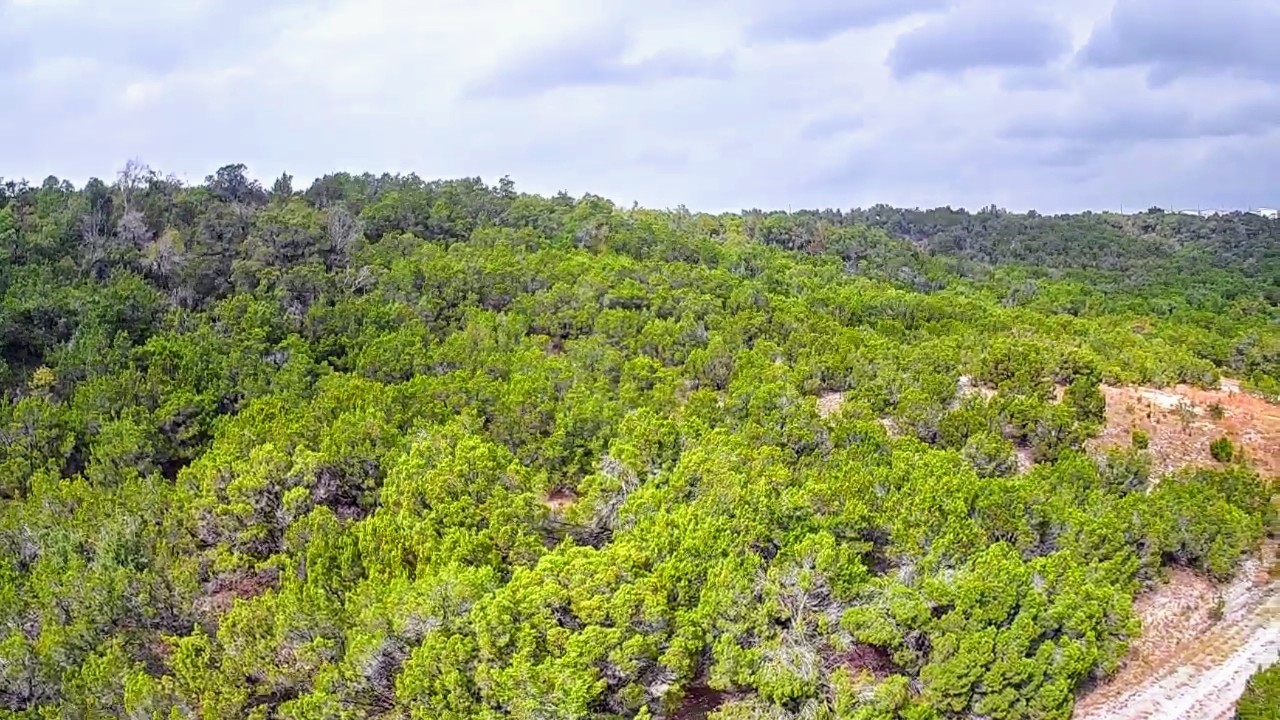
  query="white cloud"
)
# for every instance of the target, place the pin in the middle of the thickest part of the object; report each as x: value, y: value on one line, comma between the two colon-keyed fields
x: 684, y: 104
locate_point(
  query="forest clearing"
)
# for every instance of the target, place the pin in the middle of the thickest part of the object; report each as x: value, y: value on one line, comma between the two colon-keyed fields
x: 1182, y: 420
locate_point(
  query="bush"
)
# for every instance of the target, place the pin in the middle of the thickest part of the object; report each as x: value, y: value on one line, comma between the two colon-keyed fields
x: 1261, y: 698
x: 1087, y: 401
x: 991, y: 455
x: 1141, y: 440
x: 1222, y: 450
x: 1125, y: 471
x: 1216, y: 411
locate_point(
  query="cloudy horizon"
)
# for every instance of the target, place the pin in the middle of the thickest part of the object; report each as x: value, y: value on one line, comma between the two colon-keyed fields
x: 721, y: 105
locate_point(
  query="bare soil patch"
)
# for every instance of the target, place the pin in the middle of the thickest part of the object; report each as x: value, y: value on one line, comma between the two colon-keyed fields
x: 700, y: 702
x: 1200, y: 641
x: 559, y: 499
x: 1183, y: 420
x: 221, y: 592
x: 862, y: 658
x: 1200, y: 644
x: 830, y: 403
x: 967, y: 387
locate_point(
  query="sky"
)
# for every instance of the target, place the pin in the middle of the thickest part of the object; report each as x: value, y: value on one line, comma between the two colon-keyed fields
x: 1056, y: 105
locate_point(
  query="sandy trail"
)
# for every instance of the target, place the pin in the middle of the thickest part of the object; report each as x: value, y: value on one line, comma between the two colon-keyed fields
x: 1187, y: 666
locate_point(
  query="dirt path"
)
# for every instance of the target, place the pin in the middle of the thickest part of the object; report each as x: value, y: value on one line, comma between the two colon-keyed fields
x: 1187, y: 666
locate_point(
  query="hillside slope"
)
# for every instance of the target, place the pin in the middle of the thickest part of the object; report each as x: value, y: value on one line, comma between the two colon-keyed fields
x: 1193, y: 664
x: 388, y: 448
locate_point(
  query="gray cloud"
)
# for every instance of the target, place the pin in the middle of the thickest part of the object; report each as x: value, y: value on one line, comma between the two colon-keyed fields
x: 1147, y: 122
x: 597, y: 59
x: 800, y: 111
x: 1229, y: 173
x: 1237, y: 175
x: 1131, y: 124
x: 979, y: 173
x: 177, y: 35
x: 662, y: 159
x: 15, y: 56
x: 968, y: 40
x: 1034, y: 80
x: 818, y: 20
x: 1064, y: 155
x: 1179, y: 38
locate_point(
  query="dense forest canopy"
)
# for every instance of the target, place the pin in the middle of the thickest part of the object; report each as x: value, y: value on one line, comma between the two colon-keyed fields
x: 404, y: 449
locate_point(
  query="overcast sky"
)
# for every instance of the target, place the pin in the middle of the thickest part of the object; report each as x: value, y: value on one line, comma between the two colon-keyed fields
x: 716, y: 104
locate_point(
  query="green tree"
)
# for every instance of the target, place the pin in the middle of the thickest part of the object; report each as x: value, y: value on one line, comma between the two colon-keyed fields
x: 1261, y: 698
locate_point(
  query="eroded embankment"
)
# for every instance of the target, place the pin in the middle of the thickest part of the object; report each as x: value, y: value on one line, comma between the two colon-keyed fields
x: 1195, y: 654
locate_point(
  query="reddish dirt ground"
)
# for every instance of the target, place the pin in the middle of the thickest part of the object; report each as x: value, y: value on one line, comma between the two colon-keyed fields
x: 699, y: 702
x: 1182, y: 422
x: 1200, y: 641
x: 221, y: 592
x: 861, y: 659
x: 559, y: 499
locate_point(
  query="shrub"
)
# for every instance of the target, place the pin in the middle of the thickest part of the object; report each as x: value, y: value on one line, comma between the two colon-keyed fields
x: 1222, y: 450
x: 1261, y: 696
x: 1141, y: 439
x: 991, y: 455
x: 1125, y: 471
x: 1216, y: 411
x: 1087, y: 401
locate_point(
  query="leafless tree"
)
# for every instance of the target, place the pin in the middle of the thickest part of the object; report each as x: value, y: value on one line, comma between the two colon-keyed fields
x: 164, y: 256
x: 93, y: 238
x: 133, y: 229
x: 344, y: 229
x: 131, y: 180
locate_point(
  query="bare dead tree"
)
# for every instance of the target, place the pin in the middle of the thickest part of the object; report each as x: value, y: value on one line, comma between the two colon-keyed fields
x: 93, y: 239
x: 344, y: 230
x: 164, y: 256
x: 133, y: 229
x: 130, y: 180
